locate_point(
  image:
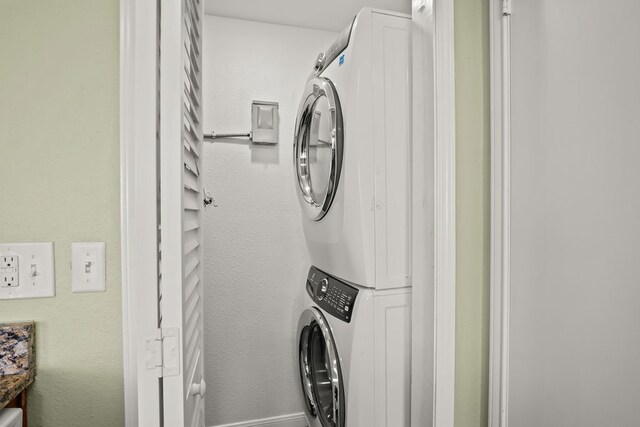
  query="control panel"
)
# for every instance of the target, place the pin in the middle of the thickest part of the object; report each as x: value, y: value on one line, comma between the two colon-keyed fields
x: 332, y: 295
x: 340, y: 44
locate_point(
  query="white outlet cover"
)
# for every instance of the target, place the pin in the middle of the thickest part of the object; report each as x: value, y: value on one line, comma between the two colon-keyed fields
x: 88, y: 267
x: 36, y: 270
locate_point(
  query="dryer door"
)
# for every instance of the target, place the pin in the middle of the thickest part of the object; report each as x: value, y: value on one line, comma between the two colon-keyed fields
x: 320, y: 371
x: 317, y: 147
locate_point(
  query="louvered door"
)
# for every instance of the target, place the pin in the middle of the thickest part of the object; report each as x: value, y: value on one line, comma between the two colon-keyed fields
x: 181, y: 202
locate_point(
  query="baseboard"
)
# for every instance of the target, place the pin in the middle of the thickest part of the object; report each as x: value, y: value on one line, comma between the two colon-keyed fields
x: 290, y: 420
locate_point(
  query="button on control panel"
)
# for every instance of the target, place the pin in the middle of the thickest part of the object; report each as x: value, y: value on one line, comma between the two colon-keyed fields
x: 332, y: 295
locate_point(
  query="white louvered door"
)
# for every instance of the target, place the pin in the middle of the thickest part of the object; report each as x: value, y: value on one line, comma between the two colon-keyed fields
x: 181, y: 202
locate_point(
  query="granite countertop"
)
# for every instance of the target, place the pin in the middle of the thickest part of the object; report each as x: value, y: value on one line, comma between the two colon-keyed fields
x: 13, y: 385
x: 17, y: 359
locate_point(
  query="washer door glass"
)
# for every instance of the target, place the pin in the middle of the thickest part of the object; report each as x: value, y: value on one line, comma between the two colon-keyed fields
x: 305, y: 371
x: 326, y: 377
x: 318, y: 147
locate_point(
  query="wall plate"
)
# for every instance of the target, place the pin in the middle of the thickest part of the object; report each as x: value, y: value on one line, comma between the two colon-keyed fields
x: 264, y: 122
x: 88, y: 267
x: 29, y: 270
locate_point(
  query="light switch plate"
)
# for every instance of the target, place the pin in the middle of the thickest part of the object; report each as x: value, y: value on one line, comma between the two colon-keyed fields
x: 27, y: 270
x: 88, y: 272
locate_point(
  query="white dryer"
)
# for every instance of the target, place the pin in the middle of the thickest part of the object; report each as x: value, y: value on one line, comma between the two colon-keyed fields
x: 354, y: 349
x: 352, y: 153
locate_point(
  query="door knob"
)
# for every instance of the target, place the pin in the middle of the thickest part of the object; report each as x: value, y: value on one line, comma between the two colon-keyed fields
x: 199, y: 388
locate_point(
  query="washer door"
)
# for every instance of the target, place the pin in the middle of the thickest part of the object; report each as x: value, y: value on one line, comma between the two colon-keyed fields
x: 317, y: 147
x: 320, y: 372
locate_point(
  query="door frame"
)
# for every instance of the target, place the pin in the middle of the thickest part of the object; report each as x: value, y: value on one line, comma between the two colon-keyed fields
x: 500, y: 264
x: 433, y: 307
x: 434, y: 215
x: 138, y: 199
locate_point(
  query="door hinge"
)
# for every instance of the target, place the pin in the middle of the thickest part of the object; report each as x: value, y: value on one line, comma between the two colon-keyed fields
x: 162, y: 352
x: 506, y: 7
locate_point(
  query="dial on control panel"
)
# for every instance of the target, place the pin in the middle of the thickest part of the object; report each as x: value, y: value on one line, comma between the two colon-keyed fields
x: 321, y: 289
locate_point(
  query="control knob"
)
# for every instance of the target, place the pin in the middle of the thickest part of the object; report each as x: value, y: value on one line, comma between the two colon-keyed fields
x: 321, y: 289
x: 320, y: 61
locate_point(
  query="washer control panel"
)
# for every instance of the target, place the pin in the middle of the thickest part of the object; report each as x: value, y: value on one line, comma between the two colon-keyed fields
x: 332, y: 295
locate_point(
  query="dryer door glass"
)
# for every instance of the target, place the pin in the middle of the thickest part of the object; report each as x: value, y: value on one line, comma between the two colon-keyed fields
x: 318, y: 147
x: 326, y: 377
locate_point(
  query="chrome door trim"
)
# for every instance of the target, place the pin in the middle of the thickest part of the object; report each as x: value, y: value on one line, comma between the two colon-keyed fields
x: 304, y: 368
x: 311, y: 318
x: 316, y: 88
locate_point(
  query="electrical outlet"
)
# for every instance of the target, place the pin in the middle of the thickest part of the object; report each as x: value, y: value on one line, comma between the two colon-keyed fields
x: 9, y: 271
x: 26, y: 270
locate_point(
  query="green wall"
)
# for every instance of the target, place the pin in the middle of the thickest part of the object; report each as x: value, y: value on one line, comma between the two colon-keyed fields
x: 473, y: 197
x: 59, y: 180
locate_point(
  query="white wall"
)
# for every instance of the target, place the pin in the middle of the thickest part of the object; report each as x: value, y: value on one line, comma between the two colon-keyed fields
x: 255, y: 255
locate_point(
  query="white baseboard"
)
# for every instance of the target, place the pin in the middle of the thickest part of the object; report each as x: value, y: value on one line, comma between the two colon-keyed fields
x: 290, y: 420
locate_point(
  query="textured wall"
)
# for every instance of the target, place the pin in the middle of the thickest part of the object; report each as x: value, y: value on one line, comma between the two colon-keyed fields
x: 59, y: 177
x: 255, y: 254
x: 473, y: 196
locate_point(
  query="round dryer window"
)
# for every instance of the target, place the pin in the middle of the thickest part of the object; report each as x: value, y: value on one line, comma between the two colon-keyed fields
x: 317, y: 147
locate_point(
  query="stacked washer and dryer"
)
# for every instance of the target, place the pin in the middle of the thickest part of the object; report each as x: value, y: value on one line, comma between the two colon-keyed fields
x: 352, y: 155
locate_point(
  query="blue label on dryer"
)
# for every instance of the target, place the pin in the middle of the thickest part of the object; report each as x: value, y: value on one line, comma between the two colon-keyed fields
x: 341, y: 60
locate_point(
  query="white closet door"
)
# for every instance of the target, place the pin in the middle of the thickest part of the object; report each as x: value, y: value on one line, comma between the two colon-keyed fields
x: 573, y: 299
x: 181, y: 204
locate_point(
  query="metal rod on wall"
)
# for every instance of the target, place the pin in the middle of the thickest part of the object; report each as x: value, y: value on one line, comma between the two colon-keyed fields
x: 212, y: 135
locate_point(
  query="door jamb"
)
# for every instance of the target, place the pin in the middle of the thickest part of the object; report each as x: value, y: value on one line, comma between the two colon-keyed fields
x: 434, y: 215
x: 138, y: 185
x: 500, y: 47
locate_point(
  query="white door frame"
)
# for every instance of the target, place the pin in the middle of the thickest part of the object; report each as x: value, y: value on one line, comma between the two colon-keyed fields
x: 434, y: 215
x: 445, y: 216
x: 500, y: 282
x: 434, y: 256
x: 138, y: 181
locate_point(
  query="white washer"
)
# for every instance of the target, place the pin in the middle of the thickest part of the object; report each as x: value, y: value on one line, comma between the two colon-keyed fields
x: 352, y: 153
x: 354, y: 354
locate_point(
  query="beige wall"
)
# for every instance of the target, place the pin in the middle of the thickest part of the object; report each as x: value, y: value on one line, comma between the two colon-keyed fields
x: 59, y: 180
x: 473, y: 196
